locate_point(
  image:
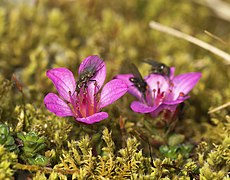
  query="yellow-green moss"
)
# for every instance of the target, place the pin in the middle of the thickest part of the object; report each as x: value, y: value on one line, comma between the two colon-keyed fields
x: 43, y: 34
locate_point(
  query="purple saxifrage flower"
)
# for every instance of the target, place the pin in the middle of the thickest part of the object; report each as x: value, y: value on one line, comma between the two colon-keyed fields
x: 163, y: 92
x: 86, y: 104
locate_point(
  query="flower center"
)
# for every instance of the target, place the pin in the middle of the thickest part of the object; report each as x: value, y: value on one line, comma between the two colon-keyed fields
x: 85, y: 103
x: 158, y: 95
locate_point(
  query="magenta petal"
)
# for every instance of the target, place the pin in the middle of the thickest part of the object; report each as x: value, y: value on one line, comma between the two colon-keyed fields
x: 156, y: 81
x: 56, y: 105
x: 63, y: 80
x: 94, y: 62
x: 125, y: 78
x: 177, y: 101
x: 172, y: 72
x: 184, y: 83
x: 132, y: 89
x: 94, y: 118
x: 139, y: 107
x: 112, y: 91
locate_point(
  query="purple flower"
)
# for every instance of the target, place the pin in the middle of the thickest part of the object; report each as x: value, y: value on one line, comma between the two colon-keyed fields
x: 162, y: 93
x: 86, y: 104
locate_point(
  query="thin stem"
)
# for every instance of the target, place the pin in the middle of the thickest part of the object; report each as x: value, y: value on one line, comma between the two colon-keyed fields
x: 219, y: 108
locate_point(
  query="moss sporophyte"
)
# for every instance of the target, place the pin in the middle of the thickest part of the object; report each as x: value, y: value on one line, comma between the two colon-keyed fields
x: 83, y: 99
x: 163, y: 92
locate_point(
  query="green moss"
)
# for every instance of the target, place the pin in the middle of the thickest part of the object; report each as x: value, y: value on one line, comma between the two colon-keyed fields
x: 7, y: 160
x: 41, y: 35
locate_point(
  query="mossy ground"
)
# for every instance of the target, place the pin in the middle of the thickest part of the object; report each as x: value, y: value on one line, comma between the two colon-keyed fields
x: 42, y: 34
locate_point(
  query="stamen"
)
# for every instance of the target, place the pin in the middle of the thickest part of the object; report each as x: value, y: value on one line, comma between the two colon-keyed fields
x: 158, y: 87
x: 79, y: 112
x: 154, y: 96
x: 84, y: 89
x: 72, y: 100
x: 95, y: 98
x: 171, y: 83
x: 72, y: 105
x: 85, y: 102
x: 171, y: 86
x: 181, y: 94
x: 80, y: 96
x: 154, y: 92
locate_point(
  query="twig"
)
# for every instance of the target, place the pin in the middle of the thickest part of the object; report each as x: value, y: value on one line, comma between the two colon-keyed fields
x: 215, y: 37
x: 219, y: 108
x: 22, y: 118
x: 181, y: 35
